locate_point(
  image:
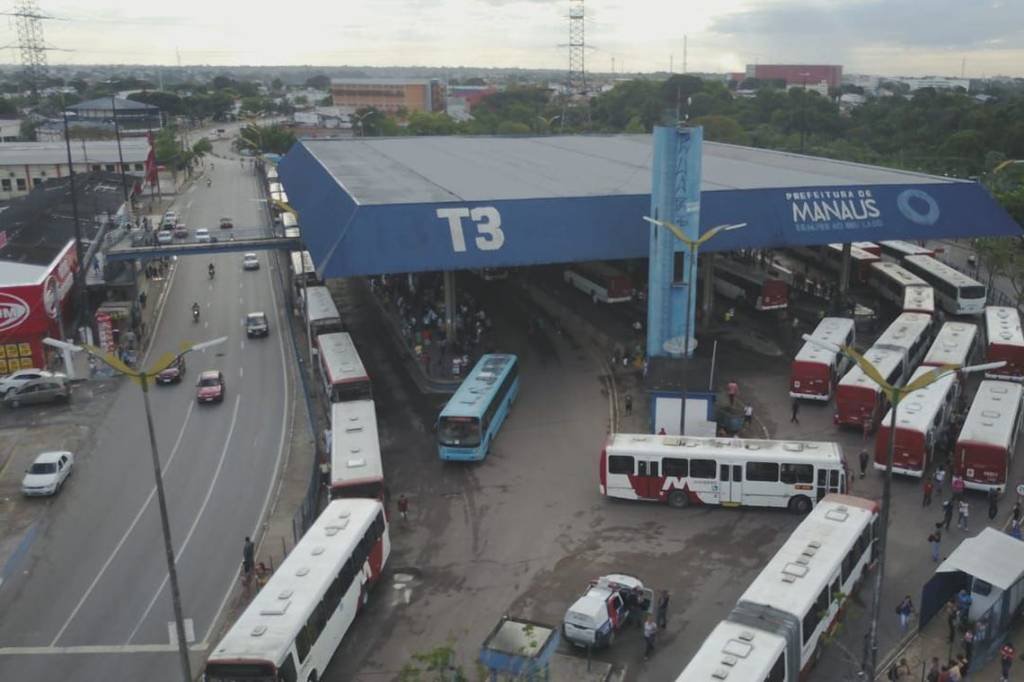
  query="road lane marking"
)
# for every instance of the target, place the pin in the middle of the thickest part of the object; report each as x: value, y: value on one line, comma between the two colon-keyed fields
x: 241, y: 301
x: 241, y: 371
x: 93, y: 649
x: 243, y: 344
x: 195, y: 522
x: 131, y: 527
x: 190, y: 631
x: 188, y: 206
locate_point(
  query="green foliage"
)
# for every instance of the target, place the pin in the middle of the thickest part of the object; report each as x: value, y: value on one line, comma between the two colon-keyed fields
x: 722, y: 129
x: 1004, y: 256
x: 319, y: 81
x: 265, y: 139
x: 27, y: 129
x: 423, y: 123
x: 513, y: 128
x: 433, y: 666
x: 202, y: 147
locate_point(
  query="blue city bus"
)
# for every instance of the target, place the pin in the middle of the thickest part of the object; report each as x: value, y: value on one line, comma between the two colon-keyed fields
x: 471, y: 419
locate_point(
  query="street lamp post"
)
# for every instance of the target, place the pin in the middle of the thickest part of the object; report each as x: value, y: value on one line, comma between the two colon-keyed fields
x: 144, y: 377
x: 894, y: 394
x: 691, y: 268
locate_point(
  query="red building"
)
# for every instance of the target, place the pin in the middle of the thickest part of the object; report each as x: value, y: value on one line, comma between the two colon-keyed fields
x: 797, y: 74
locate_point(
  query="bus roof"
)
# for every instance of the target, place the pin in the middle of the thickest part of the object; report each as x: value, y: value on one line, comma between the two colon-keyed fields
x: 940, y: 269
x: 355, y: 445
x: 906, y: 247
x: 302, y: 263
x: 473, y: 396
x: 904, y: 331
x: 1002, y: 326
x: 803, y: 566
x: 919, y: 299
x: 341, y: 358
x: 320, y: 304
x: 856, y: 253
x: 884, y: 360
x: 952, y: 344
x: 288, y: 219
x: 917, y: 410
x: 271, y: 622
x: 810, y: 352
x: 993, y: 414
x: 746, y: 653
x: 898, y: 273
x: 742, y: 271
x: 833, y: 329
x: 747, y: 448
x: 597, y: 268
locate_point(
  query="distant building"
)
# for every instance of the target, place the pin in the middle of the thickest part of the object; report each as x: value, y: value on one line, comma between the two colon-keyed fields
x: 389, y: 94
x: 462, y: 99
x: 936, y: 83
x: 25, y: 165
x: 133, y: 118
x: 797, y: 74
x: 10, y: 130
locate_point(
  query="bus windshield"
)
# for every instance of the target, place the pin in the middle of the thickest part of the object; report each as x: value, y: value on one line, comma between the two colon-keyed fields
x: 972, y: 292
x: 236, y: 672
x: 463, y: 432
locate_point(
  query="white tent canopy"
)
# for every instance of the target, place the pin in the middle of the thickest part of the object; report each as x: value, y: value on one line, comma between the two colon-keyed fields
x: 992, y: 556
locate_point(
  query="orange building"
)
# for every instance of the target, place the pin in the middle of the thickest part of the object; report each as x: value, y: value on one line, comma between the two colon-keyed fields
x: 389, y: 94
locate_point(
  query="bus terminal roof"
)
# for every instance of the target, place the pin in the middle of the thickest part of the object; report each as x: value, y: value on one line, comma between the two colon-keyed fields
x: 371, y: 205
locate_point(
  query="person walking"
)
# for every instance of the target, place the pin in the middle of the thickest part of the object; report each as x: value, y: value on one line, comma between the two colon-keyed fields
x: 628, y: 403
x: 952, y: 618
x: 248, y: 557
x: 940, y: 478
x: 963, y: 512
x: 963, y: 606
x: 796, y: 409
x: 933, y: 671
x: 650, y: 632
x: 863, y: 456
x: 1006, y: 655
x: 993, y: 505
x: 732, y: 389
x: 935, y: 540
x: 748, y: 414
x: 663, y: 610
x: 403, y: 507
x: 968, y: 645
x: 947, y: 513
x: 927, y: 487
x: 957, y: 486
x: 904, y: 611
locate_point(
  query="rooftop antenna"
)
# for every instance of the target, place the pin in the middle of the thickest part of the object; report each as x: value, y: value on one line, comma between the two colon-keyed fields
x: 684, y: 53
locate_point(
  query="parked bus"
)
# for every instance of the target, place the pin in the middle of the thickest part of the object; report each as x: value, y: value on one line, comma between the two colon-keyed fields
x: 290, y: 225
x: 860, y: 261
x: 322, y: 315
x: 815, y: 370
x: 957, y: 343
x: 303, y: 270
x: 356, y: 466
x: 891, y: 281
x: 988, y: 438
x: 909, y: 333
x: 955, y: 292
x: 602, y: 282
x: 469, y: 423
x: 341, y: 370
x: 921, y: 421
x: 492, y: 274
x: 732, y: 472
x: 919, y: 300
x: 871, y: 247
x: 897, y: 250
x: 775, y: 631
x: 271, y: 174
x: 859, y: 400
x: 1004, y: 341
x: 757, y: 288
x: 295, y: 623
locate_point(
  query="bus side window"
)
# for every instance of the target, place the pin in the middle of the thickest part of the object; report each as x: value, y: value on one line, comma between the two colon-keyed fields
x: 778, y: 671
x: 620, y: 464
x: 286, y: 673
x: 672, y: 466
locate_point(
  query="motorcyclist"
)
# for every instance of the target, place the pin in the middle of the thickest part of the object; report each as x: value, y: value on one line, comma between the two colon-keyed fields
x: 212, y: 270
x: 195, y: 310
x: 209, y: 182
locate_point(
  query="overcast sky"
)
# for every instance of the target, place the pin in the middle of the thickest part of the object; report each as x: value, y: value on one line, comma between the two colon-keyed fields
x: 896, y: 37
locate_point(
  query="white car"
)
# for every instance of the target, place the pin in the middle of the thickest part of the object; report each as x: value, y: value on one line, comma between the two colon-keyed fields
x: 21, y: 377
x: 250, y: 262
x: 47, y: 473
x: 202, y: 235
x: 165, y: 236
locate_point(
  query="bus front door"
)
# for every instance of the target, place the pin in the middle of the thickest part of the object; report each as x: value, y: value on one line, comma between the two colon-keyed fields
x: 828, y: 482
x: 648, y: 481
x: 730, y: 478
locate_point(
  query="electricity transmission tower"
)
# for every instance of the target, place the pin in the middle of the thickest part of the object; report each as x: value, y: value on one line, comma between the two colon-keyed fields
x: 31, y: 45
x: 577, y: 81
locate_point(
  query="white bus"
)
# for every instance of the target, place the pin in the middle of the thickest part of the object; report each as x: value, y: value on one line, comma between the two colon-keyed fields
x: 891, y: 281
x: 775, y: 631
x: 303, y: 270
x: 957, y: 343
x: 860, y: 261
x: 290, y: 225
x: 341, y: 369
x: 896, y: 250
x: 957, y: 293
x: 294, y: 625
x: 732, y: 472
x: 357, y: 469
x: 909, y: 333
x: 919, y: 300
x: 859, y: 400
x: 1004, y: 342
x: 602, y: 282
x: 921, y: 420
x: 322, y: 315
x: 988, y: 439
x: 815, y: 370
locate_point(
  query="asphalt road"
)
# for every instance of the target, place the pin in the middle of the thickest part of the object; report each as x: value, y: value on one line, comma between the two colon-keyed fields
x: 89, y: 600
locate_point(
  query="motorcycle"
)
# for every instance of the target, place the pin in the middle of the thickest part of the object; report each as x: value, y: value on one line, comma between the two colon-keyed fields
x: 195, y: 313
x: 209, y: 182
x: 212, y: 271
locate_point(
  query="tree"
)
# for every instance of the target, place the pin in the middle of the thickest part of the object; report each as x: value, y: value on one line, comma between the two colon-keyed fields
x: 319, y: 82
x: 272, y: 139
x: 513, y: 128
x: 201, y: 148
x: 722, y: 129
x: 1003, y: 257
x: 27, y: 129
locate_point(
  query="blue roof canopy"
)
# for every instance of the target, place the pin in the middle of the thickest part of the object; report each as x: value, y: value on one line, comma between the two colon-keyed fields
x: 380, y: 205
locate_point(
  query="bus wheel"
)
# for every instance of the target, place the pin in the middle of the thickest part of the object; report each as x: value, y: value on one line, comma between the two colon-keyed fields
x: 800, y: 505
x: 678, y: 499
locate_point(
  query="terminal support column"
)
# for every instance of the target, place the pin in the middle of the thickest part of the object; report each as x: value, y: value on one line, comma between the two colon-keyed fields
x: 449, y: 306
x: 844, y: 272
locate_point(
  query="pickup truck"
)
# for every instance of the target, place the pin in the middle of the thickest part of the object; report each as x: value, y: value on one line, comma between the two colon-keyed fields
x: 608, y: 604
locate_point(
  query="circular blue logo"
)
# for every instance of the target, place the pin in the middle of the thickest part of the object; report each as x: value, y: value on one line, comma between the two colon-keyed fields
x: 918, y: 206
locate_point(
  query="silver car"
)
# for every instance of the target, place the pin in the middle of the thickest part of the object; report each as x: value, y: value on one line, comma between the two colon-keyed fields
x: 48, y: 473
x: 20, y: 378
x: 46, y: 390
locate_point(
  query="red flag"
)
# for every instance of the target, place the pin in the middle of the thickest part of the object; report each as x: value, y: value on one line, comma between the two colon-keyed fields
x: 151, y: 161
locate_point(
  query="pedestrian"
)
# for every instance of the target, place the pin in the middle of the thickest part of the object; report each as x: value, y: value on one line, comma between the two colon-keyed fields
x: 403, y: 507
x: 947, y: 513
x: 262, y: 574
x: 1016, y: 510
x: 940, y: 478
x: 866, y: 431
x: 248, y: 556
x: 1006, y: 654
x: 904, y: 611
x: 933, y: 671
x: 796, y: 409
x: 628, y: 402
x: 899, y: 670
x: 663, y: 610
x: 968, y: 646
x: 650, y: 632
x: 953, y: 674
x: 1015, y: 528
x: 935, y: 540
x: 661, y: 431
x: 732, y: 388
x: 952, y: 618
x: 927, y: 486
x: 863, y: 461
x: 957, y: 486
x: 963, y: 512
x: 993, y: 504
x: 963, y: 606
x: 748, y: 414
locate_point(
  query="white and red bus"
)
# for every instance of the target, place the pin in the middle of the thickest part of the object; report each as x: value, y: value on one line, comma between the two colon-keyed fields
x: 742, y: 284
x: 602, y: 282
x: 815, y: 370
x: 356, y: 466
x: 341, y: 369
x: 860, y: 261
x: 957, y: 343
x: 775, y: 631
x: 322, y: 316
x: 988, y: 438
x: 871, y: 247
x: 919, y: 300
x: 859, y: 400
x: 1004, y: 341
x: 921, y: 420
x: 293, y: 626
x: 891, y: 281
x: 909, y: 333
x: 897, y: 250
x: 731, y: 472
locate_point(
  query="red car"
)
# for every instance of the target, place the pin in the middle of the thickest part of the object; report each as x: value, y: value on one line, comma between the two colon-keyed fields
x: 173, y: 374
x: 210, y: 387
